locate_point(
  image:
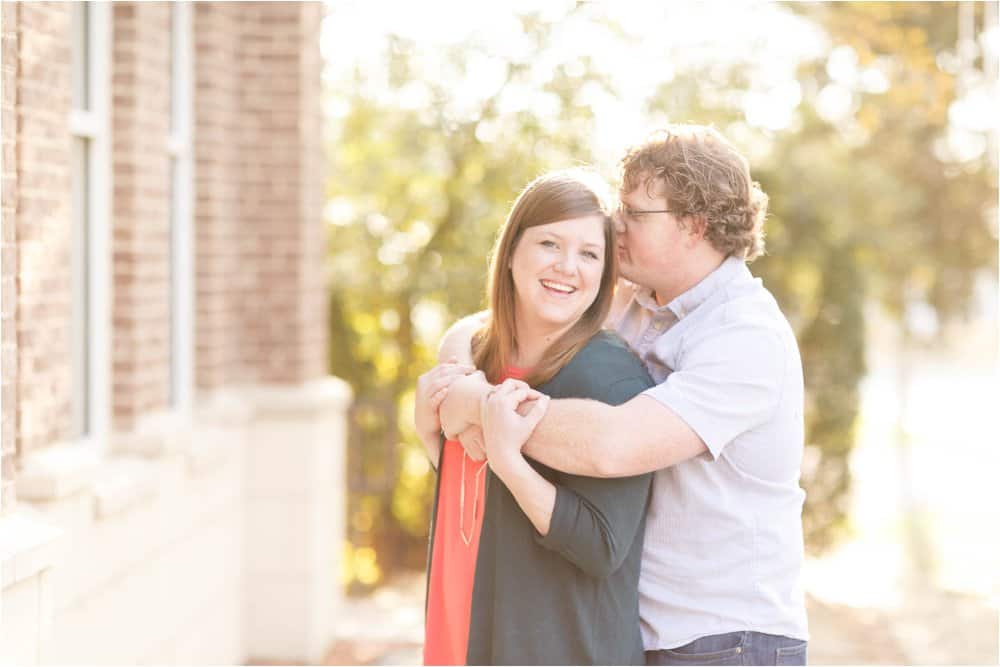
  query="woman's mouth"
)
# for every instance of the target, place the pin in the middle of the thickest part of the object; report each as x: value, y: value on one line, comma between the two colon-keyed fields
x: 557, y: 288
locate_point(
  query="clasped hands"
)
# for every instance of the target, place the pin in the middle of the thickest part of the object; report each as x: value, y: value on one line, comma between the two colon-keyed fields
x: 508, y: 415
x: 491, y: 422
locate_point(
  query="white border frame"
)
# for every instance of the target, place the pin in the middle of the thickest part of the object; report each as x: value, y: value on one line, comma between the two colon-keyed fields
x: 94, y: 125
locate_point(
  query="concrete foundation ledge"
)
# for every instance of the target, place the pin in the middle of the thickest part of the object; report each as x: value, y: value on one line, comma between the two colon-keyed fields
x: 123, y: 483
x: 293, y: 527
x: 156, y: 435
x: 300, y: 401
x: 28, y: 545
x: 58, y: 471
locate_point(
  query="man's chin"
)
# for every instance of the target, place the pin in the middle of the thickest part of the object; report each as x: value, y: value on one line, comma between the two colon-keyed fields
x: 625, y: 271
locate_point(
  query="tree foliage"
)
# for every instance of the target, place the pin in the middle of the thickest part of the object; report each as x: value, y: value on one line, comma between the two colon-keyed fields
x: 418, y: 195
x: 882, y: 208
x: 866, y: 203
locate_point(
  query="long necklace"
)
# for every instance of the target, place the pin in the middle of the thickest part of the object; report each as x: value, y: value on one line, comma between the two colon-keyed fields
x: 475, y: 501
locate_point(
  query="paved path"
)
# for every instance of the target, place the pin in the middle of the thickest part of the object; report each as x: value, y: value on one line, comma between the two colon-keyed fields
x: 385, y: 628
x: 929, y: 627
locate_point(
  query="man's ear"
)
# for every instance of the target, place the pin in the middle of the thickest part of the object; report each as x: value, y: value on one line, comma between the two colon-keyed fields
x: 696, y: 227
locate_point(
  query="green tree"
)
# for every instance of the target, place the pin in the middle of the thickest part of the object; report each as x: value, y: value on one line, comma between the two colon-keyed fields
x: 418, y: 192
x: 867, y: 204
x: 870, y: 202
x: 927, y: 243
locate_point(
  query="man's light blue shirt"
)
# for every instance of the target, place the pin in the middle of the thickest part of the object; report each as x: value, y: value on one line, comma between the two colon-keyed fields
x: 723, y: 547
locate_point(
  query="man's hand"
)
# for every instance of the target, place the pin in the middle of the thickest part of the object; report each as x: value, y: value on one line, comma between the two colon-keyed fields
x: 472, y: 439
x: 505, y: 429
x: 473, y: 443
x: 432, y: 387
x: 460, y: 409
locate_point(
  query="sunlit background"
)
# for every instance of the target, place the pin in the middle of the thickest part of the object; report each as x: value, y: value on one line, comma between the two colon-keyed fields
x: 873, y: 127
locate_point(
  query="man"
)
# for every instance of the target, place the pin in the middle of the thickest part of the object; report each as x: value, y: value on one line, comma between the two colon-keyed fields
x: 723, y: 430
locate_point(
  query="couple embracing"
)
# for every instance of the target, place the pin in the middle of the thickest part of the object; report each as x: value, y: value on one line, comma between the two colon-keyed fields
x: 620, y: 480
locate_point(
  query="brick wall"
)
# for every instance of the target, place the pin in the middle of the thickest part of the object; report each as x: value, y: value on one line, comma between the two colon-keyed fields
x: 220, y: 276
x: 313, y: 312
x: 44, y: 225
x: 140, y: 124
x: 260, y: 300
x: 314, y: 306
x: 282, y: 175
x: 261, y: 311
x: 8, y: 185
x: 260, y: 306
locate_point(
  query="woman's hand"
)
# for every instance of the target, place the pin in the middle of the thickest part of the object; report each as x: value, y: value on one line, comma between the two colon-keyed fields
x: 505, y: 428
x: 432, y: 387
x: 509, y: 416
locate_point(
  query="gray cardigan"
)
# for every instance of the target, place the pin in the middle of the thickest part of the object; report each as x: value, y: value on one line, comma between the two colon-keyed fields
x: 570, y: 597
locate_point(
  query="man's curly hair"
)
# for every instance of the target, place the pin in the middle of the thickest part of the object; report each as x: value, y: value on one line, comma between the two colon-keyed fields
x: 706, y: 179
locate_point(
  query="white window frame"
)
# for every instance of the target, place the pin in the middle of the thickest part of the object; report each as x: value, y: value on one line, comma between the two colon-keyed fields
x: 180, y: 151
x: 3, y: 372
x: 92, y: 247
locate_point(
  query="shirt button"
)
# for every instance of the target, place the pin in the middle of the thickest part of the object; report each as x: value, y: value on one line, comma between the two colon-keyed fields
x: 739, y: 649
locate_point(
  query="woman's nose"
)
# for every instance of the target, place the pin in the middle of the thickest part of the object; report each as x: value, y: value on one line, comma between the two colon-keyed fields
x: 566, y: 264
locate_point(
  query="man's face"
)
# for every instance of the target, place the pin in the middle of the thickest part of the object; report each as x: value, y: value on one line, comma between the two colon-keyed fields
x: 651, y: 243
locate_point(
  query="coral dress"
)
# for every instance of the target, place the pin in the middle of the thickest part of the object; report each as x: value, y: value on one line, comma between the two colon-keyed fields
x: 458, y: 521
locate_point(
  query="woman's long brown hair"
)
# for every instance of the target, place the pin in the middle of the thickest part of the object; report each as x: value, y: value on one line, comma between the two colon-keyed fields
x: 554, y: 197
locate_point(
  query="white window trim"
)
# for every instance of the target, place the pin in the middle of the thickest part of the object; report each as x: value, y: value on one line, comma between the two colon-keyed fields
x: 179, y: 147
x: 94, y: 125
x: 2, y: 369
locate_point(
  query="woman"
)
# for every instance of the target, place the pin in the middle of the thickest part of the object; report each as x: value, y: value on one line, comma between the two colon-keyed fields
x: 529, y: 565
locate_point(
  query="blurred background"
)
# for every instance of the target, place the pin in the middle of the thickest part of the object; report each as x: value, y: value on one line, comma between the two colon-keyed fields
x: 872, y: 126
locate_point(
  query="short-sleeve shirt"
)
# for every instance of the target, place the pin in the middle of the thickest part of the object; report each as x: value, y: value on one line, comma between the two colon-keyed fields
x: 723, y: 549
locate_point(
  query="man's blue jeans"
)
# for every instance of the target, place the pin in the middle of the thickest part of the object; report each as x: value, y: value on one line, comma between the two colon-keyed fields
x: 734, y: 648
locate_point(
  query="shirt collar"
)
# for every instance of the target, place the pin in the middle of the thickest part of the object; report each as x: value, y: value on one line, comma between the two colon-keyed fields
x: 684, y: 304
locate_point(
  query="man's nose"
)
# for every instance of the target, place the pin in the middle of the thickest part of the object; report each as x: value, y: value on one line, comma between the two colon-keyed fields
x: 619, y: 222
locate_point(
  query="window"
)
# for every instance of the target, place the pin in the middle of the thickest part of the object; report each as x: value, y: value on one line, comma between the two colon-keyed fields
x: 181, y: 186
x: 91, y: 177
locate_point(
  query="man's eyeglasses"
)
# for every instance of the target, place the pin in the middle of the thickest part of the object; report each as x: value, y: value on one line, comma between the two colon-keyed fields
x: 627, y: 213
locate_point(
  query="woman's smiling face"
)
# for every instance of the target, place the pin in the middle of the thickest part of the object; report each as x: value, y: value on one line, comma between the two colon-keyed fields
x: 557, y: 271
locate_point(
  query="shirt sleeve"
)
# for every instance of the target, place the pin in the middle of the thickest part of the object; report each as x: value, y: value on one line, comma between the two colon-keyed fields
x: 727, y: 382
x: 596, y: 521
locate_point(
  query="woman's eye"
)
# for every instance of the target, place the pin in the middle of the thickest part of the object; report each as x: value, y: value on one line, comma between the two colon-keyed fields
x: 549, y: 244
x: 591, y: 254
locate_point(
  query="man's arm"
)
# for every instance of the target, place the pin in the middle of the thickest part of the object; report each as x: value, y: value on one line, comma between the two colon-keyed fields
x: 645, y: 434
x: 462, y: 410
x: 585, y: 437
x: 580, y: 437
x: 457, y: 341
x: 589, y: 438
x: 431, y: 389
x: 730, y: 383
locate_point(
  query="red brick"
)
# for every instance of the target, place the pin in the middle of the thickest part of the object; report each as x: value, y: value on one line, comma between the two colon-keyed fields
x: 260, y: 299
